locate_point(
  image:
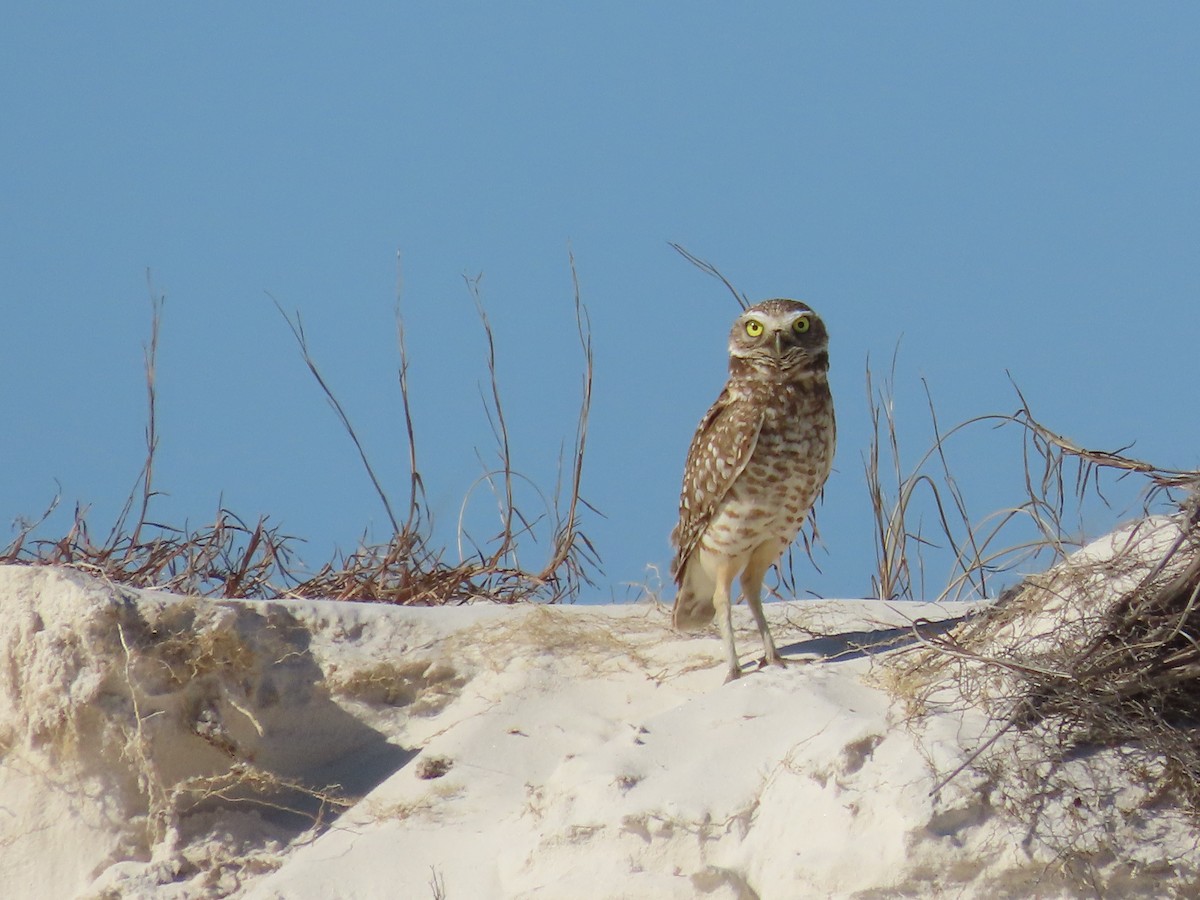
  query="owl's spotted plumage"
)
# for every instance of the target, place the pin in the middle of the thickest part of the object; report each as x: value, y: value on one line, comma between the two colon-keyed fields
x: 757, y: 462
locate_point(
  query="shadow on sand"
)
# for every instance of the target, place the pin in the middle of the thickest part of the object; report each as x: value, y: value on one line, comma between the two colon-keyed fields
x: 857, y: 644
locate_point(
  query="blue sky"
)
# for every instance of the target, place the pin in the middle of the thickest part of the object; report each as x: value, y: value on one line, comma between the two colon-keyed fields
x: 1010, y: 188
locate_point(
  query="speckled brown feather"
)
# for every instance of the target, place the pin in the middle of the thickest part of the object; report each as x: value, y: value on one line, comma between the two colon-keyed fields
x: 710, y: 472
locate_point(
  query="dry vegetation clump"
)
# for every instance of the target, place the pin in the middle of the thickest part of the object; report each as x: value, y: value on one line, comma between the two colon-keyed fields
x: 1090, y: 668
x: 1145, y: 663
x: 1130, y: 674
x: 225, y: 559
x: 228, y: 558
x: 231, y: 558
x: 1078, y: 690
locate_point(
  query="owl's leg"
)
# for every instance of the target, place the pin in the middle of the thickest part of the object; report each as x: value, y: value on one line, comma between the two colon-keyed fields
x: 752, y: 579
x: 722, y: 604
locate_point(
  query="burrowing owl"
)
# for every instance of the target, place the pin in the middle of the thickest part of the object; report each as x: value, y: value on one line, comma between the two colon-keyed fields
x: 757, y: 462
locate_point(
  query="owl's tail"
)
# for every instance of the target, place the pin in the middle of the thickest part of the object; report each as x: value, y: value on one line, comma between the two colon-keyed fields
x: 693, y: 609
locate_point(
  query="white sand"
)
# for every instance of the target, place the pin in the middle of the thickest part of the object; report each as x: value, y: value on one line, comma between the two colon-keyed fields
x: 569, y: 752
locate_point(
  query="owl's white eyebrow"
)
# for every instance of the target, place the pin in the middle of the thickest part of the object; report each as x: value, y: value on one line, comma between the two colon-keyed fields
x: 757, y: 317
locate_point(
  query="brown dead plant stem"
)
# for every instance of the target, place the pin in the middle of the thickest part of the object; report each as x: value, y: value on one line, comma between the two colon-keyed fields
x: 1035, y: 529
x: 408, y: 569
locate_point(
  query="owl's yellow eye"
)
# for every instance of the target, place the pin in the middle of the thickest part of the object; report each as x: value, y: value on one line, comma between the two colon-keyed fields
x: 754, y: 328
x: 801, y: 325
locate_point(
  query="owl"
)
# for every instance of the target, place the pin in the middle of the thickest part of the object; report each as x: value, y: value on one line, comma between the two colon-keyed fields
x: 757, y: 462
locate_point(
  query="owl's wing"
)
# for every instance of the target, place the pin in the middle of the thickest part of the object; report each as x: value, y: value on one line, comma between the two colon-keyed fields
x: 719, y: 453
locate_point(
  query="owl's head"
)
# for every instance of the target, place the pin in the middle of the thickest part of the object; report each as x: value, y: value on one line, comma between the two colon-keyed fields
x: 780, y: 339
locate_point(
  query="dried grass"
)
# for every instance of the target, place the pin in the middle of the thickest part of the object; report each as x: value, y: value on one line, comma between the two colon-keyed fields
x: 232, y: 558
x: 1037, y: 532
x: 1089, y: 668
x: 1085, y: 677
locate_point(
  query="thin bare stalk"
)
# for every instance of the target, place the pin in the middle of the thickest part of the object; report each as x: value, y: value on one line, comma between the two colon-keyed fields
x: 418, y: 505
x: 567, y: 534
x: 297, y: 329
x: 709, y: 269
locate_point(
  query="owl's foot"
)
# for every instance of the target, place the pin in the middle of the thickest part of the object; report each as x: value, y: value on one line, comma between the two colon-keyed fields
x: 769, y: 660
x: 734, y: 675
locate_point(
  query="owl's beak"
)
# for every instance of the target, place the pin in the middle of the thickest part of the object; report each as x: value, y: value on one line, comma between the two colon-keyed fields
x: 778, y: 344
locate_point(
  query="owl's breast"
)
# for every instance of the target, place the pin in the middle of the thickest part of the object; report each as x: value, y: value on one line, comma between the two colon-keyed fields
x: 791, y: 460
